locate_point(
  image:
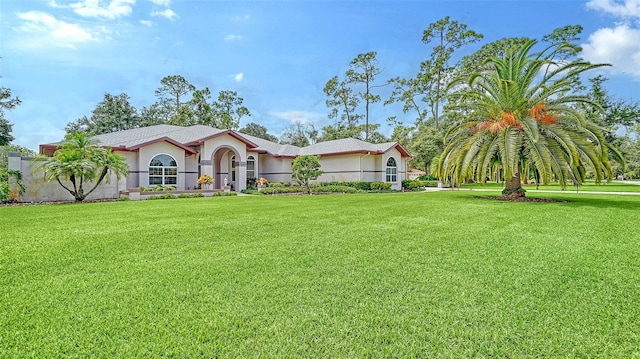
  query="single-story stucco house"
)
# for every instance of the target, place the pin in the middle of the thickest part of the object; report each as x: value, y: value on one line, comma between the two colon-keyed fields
x: 178, y: 156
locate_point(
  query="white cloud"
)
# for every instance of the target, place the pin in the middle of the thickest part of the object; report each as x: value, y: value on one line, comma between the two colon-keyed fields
x: 624, y: 8
x: 295, y: 116
x: 147, y: 23
x: 52, y: 31
x: 167, y: 13
x: 162, y: 2
x: 232, y: 37
x: 619, y: 46
x: 92, y: 8
x: 238, y: 77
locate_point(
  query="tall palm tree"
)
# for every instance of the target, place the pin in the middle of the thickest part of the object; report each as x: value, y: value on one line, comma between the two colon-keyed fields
x: 80, y: 159
x: 520, y: 111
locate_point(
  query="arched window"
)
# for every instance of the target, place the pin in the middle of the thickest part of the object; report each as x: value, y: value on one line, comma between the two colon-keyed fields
x: 251, y: 167
x: 392, y: 170
x: 163, y: 170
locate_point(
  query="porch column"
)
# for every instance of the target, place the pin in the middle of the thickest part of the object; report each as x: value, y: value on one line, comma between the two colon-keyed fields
x: 241, y: 173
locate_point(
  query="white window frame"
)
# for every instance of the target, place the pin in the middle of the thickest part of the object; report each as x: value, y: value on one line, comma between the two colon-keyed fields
x: 166, y: 174
x: 251, y: 167
x: 391, y: 173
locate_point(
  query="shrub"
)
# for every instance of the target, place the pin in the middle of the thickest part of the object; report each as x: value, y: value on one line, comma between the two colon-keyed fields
x: 4, y: 192
x: 428, y: 178
x: 162, y: 196
x: 378, y: 186
x: 432, y: 183
x: 361, y: 185
x: 334, y: 189
x: 250, y: 191
x: 123, y: 199
x: 224, y: 194
x: 280, y: 190
x: 190, y: 195
x: 417, y: 184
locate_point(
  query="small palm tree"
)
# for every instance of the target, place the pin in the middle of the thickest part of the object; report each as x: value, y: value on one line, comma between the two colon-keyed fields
x: 79, y: 160
x: 520, y: 112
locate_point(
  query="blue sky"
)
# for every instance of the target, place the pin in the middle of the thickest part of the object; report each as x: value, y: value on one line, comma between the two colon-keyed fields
x: 61, y: 56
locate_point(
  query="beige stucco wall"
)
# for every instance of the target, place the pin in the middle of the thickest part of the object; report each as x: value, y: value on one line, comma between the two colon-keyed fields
x: 191, y: 171
x: 341, y: 168
x: 275, y: 169
x: 370, y: 167
x: 133, y: 180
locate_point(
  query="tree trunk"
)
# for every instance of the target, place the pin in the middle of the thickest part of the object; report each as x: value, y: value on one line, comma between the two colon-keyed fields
x: 513, y: 188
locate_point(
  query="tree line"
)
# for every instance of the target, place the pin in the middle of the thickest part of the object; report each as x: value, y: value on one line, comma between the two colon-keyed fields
x: 178, y: 103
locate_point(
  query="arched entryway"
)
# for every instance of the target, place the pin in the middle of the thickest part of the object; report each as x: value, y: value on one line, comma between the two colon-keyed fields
x: 226, y: 162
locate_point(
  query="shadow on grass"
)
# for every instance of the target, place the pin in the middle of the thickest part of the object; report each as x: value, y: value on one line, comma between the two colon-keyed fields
x: 630, y: 202
x: 620, y: 202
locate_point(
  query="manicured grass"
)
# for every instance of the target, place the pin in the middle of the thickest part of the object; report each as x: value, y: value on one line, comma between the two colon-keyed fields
x: 587, y: 187
x: 375, y: 275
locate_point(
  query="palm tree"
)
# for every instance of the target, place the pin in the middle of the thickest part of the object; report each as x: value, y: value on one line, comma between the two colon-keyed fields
x: 79, y: 160
x: 520, y: 112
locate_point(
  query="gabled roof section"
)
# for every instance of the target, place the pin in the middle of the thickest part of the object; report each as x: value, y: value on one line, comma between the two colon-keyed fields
x: 385, y: 147
x: 272, y: 148
x: 351, y: 145
x: 164, y: 139
x: 198, y: 130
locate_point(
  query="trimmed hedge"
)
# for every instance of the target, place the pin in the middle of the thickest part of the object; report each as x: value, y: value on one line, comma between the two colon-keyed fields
x: 380, y: 186
x: 157, y: 188
x: 334, y: 189
x: 224, y: 194
x: 162, y: 196
x: 318, y: 189
x: 190, y: 195
x: 418, y: 184
x: 428, y: 178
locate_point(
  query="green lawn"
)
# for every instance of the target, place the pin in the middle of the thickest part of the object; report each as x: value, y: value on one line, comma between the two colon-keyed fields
x: 374, y: 275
